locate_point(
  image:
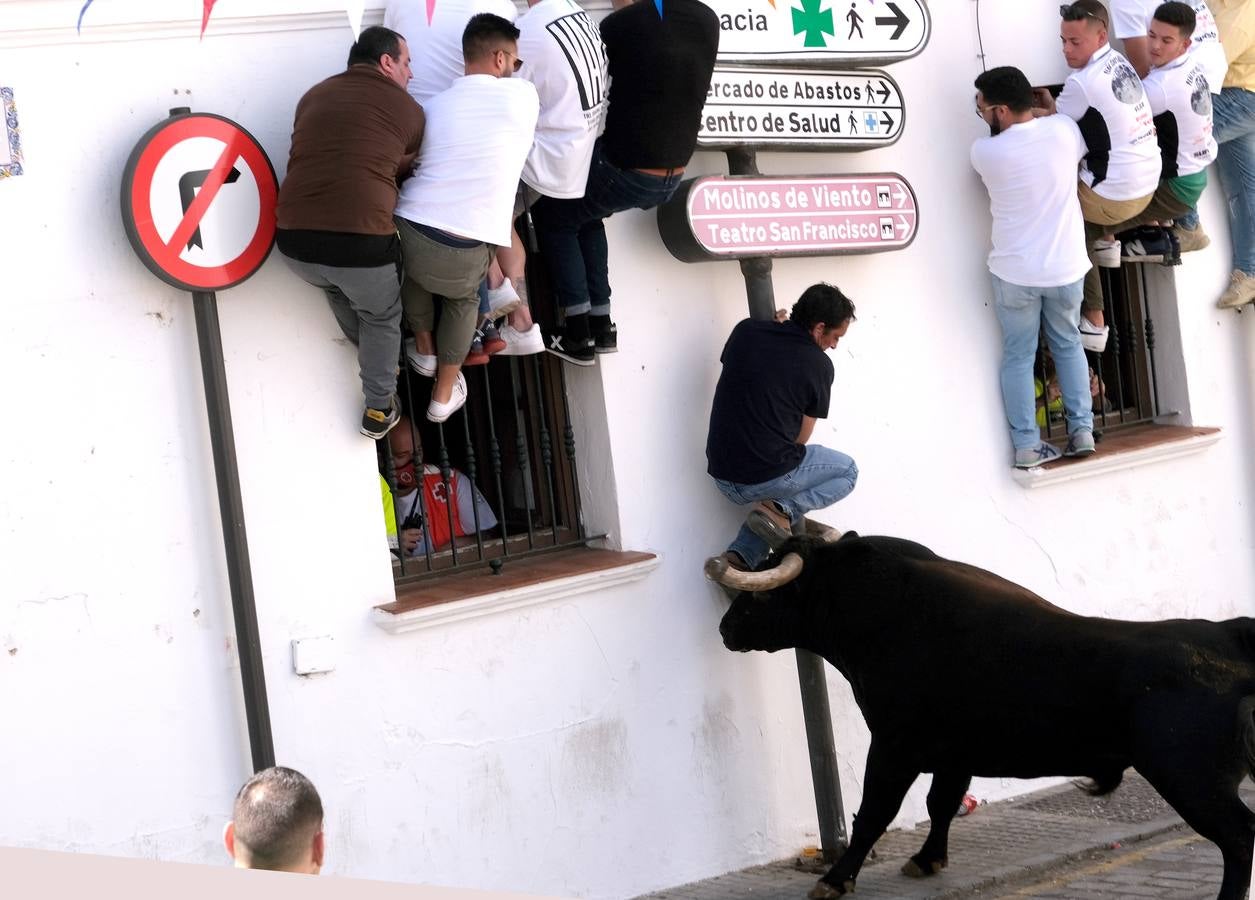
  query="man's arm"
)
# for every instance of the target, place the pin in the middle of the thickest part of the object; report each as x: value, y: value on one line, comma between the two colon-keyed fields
x: 1043, y: 102
x: 1137, y: 49
x: 808, y: 426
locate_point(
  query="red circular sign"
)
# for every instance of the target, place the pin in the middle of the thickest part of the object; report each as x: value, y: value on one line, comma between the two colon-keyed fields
x: 198, y: 202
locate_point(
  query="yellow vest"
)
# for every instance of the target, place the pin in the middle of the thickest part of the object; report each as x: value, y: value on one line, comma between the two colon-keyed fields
x: 1235, y: 20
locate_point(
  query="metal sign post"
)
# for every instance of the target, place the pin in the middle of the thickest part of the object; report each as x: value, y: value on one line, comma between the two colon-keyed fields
x: 194, y: 235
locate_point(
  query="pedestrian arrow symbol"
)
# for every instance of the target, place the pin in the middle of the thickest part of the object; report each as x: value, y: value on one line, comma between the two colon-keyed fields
x: 898, y: 20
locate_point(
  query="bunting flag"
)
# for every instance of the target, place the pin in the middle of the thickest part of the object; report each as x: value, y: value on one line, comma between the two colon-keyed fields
x: 80, y: 15
x: 431, y: 10
x: 204, y: 19
x: 355, y: 9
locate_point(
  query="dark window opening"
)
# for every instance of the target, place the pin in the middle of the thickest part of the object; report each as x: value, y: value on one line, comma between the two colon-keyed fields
x: 513, y: 442
x: 1123, y: 377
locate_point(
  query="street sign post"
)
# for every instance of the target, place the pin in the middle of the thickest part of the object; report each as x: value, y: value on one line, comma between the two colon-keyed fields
x: 821, y: 33
x: 198, y: 205
x: 718, y: 217
x: 796, y: 109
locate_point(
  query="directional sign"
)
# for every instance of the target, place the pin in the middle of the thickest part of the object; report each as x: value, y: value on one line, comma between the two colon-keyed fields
x: 198, y: 202
x: 792, y: 109
x: 820, y: 32
x: 722, y: 217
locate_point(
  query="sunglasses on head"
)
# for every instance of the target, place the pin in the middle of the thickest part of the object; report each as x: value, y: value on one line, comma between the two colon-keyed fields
x: 1074, y: 12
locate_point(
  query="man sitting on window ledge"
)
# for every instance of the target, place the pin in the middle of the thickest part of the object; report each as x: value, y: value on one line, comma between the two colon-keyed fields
x: 448, y: 520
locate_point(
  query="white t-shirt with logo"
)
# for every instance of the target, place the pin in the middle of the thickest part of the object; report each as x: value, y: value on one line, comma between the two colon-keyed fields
x: 564, y: 58
x: 1179, y: 92
x: 1030, y: 172
x: 436, y: 45
x: 1131, y: 18
x: 467, y: 174
x: 1105, y: 98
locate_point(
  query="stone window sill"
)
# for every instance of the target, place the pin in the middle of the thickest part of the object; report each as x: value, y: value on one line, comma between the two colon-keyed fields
x: 1123, y: 449
x: 527, y: 582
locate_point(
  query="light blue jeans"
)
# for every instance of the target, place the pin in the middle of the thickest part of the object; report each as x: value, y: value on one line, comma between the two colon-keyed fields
x: 1233, y: 125
x: 1022, y: 312
x: 822, y: 478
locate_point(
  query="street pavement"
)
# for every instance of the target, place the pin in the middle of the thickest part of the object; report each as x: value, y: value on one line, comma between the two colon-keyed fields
x: 1056, y: 844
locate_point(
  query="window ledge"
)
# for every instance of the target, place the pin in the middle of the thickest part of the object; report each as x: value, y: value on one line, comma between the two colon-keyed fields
x: 527, y: 582
x: 1124, y: 449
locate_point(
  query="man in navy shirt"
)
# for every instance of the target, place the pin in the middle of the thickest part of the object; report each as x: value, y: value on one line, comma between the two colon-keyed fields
x: 775, y: 383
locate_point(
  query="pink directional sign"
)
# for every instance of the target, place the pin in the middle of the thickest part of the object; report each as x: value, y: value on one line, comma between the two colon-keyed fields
x: 722, y: 217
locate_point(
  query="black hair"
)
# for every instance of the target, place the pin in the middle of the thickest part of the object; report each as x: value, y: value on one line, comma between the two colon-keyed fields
x: 822, y: 302
x: 1005, y: 85
x: 374, y: 42
x: 1081, y: 10
x: 276, y: 814
x: 484, y: 34
x: 1179, y: 14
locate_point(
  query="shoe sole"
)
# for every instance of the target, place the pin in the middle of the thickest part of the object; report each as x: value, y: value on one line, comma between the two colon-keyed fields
x: 606, y: 349
x: 500, y: 312
x: 574, y: 360
x: 763, y: 526
x: 1073, y: 454
x: 445, y: 417
x: 377, y: 435
x: 1145, y: 258
x: 426, y: 373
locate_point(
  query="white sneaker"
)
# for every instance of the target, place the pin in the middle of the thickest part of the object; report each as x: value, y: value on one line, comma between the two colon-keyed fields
x: 521, y: 343
x: 1092, y: 337
x: 421, y: 363
x: 503, y: 300
x: 438, y: 412
x: 1241, y: 291
x: 1106, y: 254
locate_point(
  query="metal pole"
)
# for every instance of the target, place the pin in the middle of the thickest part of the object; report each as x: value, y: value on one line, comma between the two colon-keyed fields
x: 816, y: 712
x: 231, y: 505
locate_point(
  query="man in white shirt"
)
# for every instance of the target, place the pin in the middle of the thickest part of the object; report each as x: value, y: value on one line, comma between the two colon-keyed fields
x: 1038, y: 260
x: 458, y: 204
x: 563, y: 56
x: 1180, y: 100
x: 1130, y: 20
x: 1105, y: 98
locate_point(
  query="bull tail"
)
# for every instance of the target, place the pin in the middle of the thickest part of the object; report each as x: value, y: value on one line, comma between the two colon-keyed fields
x: 1102, y: 783
x: 1246, y: 731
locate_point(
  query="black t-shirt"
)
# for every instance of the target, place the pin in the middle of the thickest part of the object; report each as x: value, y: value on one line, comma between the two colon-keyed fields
x: 773, y: 374
x: 659, y: 74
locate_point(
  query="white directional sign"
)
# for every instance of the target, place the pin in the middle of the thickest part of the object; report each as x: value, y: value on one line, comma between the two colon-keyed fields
x: 793, y: 109
x: 721, y: 217
x: 820, y: 32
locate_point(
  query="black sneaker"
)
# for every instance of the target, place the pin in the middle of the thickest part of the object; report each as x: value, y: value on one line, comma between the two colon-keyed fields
x: 1145, y: 244
x: 1175, y: 244
x: 607, y: 340
x: 573, y: 350
x: 378, y: 422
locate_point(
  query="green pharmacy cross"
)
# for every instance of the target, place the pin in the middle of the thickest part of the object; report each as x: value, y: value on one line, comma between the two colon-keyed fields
x: 813, y: 21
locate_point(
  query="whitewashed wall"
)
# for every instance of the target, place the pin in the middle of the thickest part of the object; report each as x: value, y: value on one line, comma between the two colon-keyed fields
x: 469, y: 754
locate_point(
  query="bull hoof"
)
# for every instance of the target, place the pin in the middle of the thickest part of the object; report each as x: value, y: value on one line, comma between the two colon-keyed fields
x: 824, y: 891
x: 913, y: 868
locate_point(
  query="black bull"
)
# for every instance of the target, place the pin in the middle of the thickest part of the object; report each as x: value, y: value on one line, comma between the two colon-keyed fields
x: 959, y: 673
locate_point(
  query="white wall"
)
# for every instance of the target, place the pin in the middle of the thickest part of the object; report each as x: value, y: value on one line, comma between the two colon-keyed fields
x: 468, y: 754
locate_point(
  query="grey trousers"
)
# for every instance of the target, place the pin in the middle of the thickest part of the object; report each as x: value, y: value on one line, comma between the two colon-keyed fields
x: 451, y: 272
x: 367, y: 305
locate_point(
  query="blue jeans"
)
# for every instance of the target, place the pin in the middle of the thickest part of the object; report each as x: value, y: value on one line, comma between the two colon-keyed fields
x: 821, y: 479
x: 572, y: 233
x: 1233, y: 125
x: 1022, y: 311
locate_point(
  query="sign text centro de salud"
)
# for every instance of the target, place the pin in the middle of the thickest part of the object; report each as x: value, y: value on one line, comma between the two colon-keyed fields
x: 794, y: 109
x: 820, y: 32
x: 722, y: 217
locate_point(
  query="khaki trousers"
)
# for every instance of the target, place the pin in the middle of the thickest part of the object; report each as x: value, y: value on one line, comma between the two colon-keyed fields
x: 1101, y: 215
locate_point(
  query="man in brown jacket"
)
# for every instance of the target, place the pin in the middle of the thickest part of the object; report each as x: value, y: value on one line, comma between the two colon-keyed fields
x: 356, y: 136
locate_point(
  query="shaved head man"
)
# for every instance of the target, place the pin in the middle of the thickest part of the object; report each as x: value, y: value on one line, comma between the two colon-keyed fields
x: 276, y: 824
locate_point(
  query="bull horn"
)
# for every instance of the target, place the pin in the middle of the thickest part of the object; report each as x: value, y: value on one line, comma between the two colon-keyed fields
x: 717, y: 569
x: 826, y: 533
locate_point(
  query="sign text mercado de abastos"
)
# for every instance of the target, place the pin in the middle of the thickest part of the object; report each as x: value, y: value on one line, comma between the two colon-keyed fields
x: 721, y: 217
